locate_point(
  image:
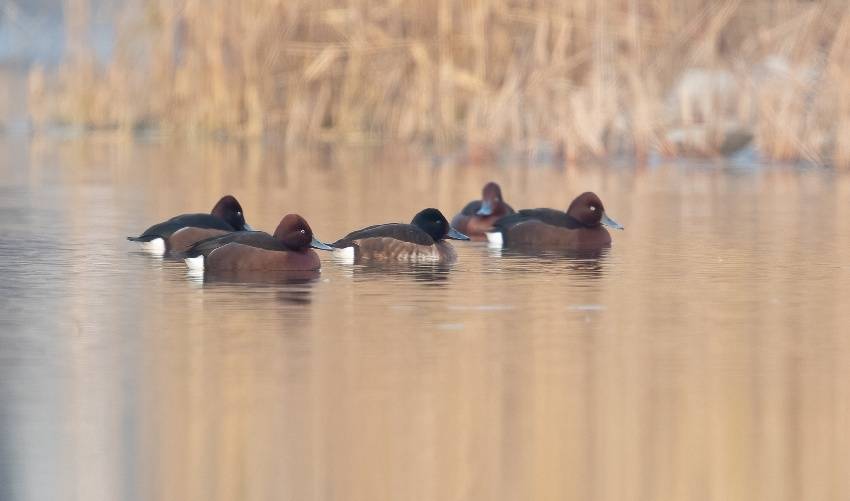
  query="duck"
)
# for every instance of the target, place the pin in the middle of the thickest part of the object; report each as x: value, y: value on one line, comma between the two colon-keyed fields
x: 290, y: 248
x: 479, y: 215
x: 181, y: 232
x: 581, y: 227
x: 423, y: 240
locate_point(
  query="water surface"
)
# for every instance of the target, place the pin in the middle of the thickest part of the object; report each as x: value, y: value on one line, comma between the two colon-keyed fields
x: 704, y: 356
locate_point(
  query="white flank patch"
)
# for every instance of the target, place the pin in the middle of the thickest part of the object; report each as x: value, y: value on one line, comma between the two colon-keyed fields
x: 346, y: 255
x: 495, y: 238
x: 195, y: 263
x: 155, y: 246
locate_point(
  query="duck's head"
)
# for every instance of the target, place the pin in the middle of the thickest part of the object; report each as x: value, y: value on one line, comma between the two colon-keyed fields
x: 588, y: 210
x: 432, y: 222
x: 228, y: 208
x: 294, y: 233
x: 491, y: 200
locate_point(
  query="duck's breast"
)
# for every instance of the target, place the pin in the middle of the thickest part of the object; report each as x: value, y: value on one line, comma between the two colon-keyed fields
x: 478, y: 226
x: 460, y: 222
x: 446, y: 252
x: 473, y: 225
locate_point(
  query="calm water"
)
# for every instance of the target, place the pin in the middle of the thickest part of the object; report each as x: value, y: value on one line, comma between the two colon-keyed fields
x: 705, y: 356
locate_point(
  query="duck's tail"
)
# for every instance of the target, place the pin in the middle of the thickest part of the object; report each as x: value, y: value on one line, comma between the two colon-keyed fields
x: 195, y: 263
x: 150, y: 243
x: 495, y: 238
x: 345, y: 254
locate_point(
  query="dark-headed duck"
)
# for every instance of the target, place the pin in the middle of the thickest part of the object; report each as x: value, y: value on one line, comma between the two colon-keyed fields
x: 180, y: 232
x: 479, y: 215
x: 422, y: 240
x: 289, y: 249
x: 579, y: 228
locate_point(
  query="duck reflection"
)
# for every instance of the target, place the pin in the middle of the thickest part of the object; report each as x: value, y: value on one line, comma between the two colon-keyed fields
x: 427, y: 274
x: 585, y: 264
x: 153, y: 258
x: 290, y: 287
x: 261, y: 277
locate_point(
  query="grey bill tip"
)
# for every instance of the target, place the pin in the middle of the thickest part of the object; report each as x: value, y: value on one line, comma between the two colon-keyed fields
x: 607, y: 221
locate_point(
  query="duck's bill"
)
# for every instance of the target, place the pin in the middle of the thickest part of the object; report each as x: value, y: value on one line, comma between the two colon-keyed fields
x: 320, y: 245
x: 486, y: 209
x: 247, y: 227
x: 607, y: 221
x: 456, y: 235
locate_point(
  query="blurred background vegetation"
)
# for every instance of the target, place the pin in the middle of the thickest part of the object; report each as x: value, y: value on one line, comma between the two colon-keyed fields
x: 573, y: 79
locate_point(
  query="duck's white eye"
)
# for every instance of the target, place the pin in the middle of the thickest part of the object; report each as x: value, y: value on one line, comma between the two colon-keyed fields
x: 593, y: 208
x: 238, y: 213
x: 303, y: 231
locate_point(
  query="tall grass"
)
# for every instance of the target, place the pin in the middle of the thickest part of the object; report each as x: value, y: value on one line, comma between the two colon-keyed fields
x: 577, y: 78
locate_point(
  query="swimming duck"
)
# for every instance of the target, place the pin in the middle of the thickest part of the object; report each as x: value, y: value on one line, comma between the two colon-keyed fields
x: 479, y: 215
x: 289, y: 249
x: 580, y: 227
x: 421, y: 240
x: 180, y: 232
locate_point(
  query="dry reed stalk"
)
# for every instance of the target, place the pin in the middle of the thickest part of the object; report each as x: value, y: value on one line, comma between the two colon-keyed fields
x: 580, y: 78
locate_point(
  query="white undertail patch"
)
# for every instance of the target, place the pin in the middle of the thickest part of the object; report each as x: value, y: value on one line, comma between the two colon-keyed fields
x: 155, y: 246
x: 346, y: 255
x: 495, y: 239
x: 195, y: 263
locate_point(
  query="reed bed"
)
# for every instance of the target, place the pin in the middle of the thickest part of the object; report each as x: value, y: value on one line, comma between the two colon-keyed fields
x: 574, y: 79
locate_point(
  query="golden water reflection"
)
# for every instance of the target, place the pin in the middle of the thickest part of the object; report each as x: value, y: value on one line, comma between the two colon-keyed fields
x: 704, y: 356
